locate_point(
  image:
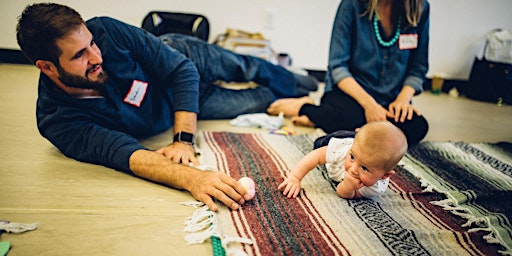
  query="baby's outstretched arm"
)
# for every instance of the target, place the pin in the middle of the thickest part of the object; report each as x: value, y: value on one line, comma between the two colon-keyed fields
x: 291, y: 185
x: 348, y: 187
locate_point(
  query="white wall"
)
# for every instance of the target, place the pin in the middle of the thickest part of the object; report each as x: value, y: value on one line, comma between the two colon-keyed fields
x: 301, y: 27
x: 457, y: 32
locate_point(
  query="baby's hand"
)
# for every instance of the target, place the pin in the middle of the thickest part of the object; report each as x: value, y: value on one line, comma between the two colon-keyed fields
x: 348, y: 187
x: 290, y: 186
x: 355, y: 183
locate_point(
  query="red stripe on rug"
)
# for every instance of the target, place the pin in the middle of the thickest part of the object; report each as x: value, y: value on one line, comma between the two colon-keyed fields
x: 407, y: 196
x: 414, y: 192
x: 325, y: 230
x: 277, y: 225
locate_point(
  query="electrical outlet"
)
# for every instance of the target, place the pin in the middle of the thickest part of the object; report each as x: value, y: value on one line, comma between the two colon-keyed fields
x: 270, y: 19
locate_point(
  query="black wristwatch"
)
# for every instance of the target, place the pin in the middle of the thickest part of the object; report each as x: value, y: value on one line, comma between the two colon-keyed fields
x: 184, y: 137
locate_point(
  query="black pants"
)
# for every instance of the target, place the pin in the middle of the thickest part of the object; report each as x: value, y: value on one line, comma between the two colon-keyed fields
x: 339, y: 111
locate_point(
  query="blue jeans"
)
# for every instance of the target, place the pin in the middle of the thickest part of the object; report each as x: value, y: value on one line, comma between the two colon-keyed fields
x: 215, y: 63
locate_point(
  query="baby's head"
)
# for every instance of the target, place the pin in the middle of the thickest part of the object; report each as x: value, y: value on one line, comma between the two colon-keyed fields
x: 382, y: 140
x: 377, y: 149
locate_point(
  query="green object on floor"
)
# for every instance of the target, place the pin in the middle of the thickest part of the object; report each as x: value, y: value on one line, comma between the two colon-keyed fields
x: 4, y: 248
x: 217, y: 246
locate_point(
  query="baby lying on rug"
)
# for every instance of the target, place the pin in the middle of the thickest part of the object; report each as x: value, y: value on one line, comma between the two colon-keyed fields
x: 362, y: 164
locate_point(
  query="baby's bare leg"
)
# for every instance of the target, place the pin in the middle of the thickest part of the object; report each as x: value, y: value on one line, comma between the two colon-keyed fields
x: 290, y: 107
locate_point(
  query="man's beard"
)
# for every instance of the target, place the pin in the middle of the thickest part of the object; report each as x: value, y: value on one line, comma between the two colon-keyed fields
x: 81, y: 82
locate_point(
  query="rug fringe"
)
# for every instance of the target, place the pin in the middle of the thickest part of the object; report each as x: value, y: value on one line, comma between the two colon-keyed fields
x: 195, y: 204
x: 200, y: 237
x: 14, y: 227
x: 202, y: 225
x: 425, y: 184
x: 451, y: 206
x: 480, y: 222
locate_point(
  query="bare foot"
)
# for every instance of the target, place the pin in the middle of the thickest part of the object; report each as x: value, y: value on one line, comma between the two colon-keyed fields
x: 302, y: 121
x: 290, y: 106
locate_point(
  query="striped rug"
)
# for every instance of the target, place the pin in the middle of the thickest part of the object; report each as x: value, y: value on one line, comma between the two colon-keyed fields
x: 446, y: 199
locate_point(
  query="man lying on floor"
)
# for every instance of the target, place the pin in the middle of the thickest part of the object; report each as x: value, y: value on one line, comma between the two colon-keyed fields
x: 104, y: 83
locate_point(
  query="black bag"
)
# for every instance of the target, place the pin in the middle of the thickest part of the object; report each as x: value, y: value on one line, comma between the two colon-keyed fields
x: 159, y: 23
x: 490, y: 81
x: 491, y: 76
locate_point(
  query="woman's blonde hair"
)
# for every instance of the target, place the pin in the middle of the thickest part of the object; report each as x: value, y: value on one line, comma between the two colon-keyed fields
x: 411, y: 9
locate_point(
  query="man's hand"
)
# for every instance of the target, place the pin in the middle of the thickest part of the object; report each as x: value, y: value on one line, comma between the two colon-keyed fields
x: 208, y: 185
x: 290, y: 186
x: 179, y: 153
x: 204, y: 185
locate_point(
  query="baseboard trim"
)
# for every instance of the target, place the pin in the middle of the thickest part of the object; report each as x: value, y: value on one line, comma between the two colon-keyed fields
x: 16, y: 57
x: 448, y: 84
x: 318, y: 74
x: 13, y: 57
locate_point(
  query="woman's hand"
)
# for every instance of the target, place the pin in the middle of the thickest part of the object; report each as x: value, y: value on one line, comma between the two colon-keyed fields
x: 375, y: 112
x: 401, y: 110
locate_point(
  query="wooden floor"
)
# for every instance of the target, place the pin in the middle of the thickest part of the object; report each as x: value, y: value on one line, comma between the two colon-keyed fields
x: 84, y: 209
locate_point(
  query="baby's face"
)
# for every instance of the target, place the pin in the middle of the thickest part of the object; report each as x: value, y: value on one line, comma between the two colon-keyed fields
x: 363, y: 167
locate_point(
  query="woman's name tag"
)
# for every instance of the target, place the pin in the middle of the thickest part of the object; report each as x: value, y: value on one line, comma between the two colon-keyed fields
x: 408, y: 41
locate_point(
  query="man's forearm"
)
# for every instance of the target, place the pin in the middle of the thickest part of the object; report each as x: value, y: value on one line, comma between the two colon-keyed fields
x: 204, y: 186
x: 155, y: 167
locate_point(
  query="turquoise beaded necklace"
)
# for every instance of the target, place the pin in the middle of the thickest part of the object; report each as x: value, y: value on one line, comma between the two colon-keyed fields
x: 379, y: 38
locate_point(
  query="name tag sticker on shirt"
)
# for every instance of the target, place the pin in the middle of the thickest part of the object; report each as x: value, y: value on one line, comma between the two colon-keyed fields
x: 136, y: 94
x: 408, y: 41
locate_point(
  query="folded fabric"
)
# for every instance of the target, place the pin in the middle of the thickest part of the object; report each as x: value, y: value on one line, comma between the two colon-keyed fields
x: 258, y: 120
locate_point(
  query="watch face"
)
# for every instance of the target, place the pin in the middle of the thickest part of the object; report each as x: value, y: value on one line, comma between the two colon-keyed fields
x: 184, y: 137
x: 187, y: 137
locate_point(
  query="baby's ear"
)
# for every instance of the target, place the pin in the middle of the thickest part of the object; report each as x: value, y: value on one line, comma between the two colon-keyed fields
x: 387, y: 174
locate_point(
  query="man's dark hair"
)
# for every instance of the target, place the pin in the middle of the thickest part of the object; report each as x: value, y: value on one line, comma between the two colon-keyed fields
x: 41, y: 25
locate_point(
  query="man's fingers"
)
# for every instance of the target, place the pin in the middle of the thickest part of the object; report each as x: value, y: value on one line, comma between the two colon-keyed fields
x: 209, y: 202
x: 194, y: 161
x: 234, y: 189
x: 212, y: 186
x: 225, y: 199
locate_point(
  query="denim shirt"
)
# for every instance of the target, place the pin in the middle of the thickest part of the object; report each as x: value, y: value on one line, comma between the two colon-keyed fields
x: 381, y: 71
